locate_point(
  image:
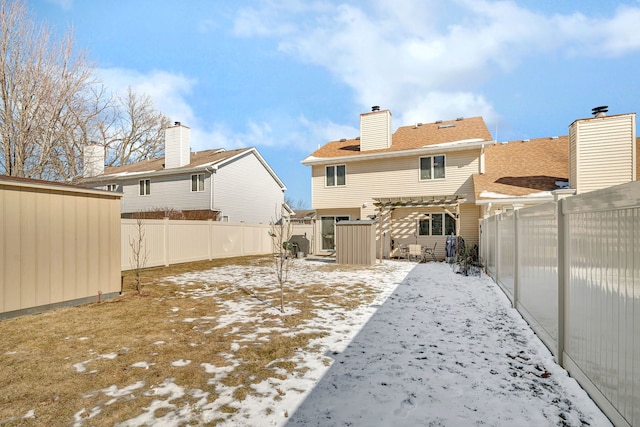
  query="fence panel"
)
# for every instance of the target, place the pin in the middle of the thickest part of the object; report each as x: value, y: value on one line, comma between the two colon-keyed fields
x: 506, y: 262
x: 490, y: 249
x: 577, y: 282
x: 602, y: 348
x: 167, y: 242
x: 153, y: 243
x: 538, y: 270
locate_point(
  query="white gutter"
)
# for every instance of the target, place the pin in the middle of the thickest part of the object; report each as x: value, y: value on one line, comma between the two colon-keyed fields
x: 437, y: 148
x: 163, y: 172
x: 512, y: 200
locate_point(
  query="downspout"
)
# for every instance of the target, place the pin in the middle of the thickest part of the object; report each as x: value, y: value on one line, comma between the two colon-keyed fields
x: 212, y: 171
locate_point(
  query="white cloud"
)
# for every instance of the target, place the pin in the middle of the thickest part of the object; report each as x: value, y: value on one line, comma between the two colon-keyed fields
x: 65, y: 4
x: 427, y: 58
x: 169, y: 92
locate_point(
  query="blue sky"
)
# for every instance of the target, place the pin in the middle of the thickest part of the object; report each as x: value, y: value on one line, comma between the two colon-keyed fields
x: 287, y: 76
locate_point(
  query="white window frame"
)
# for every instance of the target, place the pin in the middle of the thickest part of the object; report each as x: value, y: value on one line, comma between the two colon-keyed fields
x: 197, y: 182
x: 112, y: 187
x: 334, y: 175
x: 432, y: 170
x: 144, y: 187
x: 443, y: 224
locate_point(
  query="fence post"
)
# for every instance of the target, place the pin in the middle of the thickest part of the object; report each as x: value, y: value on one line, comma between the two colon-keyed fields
x: 165, y: 241
x: 516, y: 259
x: 497, y: 255
x: 210, y: 238
x: 563, y: 276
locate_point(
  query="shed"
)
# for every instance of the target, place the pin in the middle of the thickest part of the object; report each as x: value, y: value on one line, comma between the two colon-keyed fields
x: 59, y: 245
x: 356, y: 242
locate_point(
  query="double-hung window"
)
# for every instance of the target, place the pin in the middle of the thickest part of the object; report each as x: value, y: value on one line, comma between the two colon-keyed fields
x: 197, y: 182
x: 145, y: 187
x: 335, y: 175
x: 432, y: 167
x: 437, y: 224
x: 112, y: 187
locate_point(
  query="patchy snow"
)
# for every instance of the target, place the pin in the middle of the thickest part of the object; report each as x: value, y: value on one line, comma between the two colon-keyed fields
x: 433, y: 348
x: 180, y: 363
x: 144, y: 365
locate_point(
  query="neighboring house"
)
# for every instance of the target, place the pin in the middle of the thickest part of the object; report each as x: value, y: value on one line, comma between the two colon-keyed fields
x: 417, y: 182
x: 224, y: 185
x: 599, y: 152
x: 304, y: 216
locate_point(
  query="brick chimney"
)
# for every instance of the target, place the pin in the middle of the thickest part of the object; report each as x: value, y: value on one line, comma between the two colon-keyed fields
x: 375, y: 129
x: 177, y: 146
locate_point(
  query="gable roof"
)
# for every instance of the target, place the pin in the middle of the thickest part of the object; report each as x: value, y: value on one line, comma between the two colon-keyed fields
x: 199, y: 161
x: 448, y: 135
x: 523, y: 168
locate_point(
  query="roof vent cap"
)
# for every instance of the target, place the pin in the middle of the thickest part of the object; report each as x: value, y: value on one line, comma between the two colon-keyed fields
x: 438, y: 121
x: 600, y: 111
x: 375, y: 108
x: 459, y: 118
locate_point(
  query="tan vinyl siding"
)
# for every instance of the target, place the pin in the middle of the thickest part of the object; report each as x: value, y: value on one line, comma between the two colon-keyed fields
x: 375, y: 130
x: 573, y: 156
x: 394, y: 177
x: 605, y: 154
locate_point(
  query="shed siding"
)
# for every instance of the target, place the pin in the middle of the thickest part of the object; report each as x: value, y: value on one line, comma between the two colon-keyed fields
x: 56, y: 247
x: 394, y: 177
x: 167, y: 192
x: 260, y: 197
x: 605, y: 153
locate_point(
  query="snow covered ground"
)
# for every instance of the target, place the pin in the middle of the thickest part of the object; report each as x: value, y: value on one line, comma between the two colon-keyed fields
x: 435, y: 348
x: 446, y: 350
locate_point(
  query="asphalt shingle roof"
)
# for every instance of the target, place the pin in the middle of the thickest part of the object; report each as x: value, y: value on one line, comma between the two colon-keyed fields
x: 198, y: 158
x: 411, y: 137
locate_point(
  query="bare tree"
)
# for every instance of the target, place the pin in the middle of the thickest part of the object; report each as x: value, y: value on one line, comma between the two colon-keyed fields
x: 52, y: 105
x: 281, y: 232
x: 139, y: 252
x: 44, y: 85
x: 135, y: 130
x: 295, y: 204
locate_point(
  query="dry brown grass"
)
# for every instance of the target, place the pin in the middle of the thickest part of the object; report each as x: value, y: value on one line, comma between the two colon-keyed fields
x: 40, y: 355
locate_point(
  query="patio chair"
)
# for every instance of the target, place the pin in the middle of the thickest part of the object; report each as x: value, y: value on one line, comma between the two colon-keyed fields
x: 403, y: 252
x: 431, y: 251
x: 415, y: 252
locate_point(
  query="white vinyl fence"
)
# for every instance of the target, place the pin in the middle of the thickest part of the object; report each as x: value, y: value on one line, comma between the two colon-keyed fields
x: 572, y: 269
x: 166, y: 242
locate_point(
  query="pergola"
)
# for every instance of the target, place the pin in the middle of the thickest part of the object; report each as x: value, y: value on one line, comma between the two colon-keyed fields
x: 449, y: 203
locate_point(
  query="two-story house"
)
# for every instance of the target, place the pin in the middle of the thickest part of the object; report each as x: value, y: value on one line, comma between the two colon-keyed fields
x: 417, y: 181
x: 224, y: 185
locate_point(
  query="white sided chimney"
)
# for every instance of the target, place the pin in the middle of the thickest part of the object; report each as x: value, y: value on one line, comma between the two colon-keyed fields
x: 93, y: 157
x: 375, y: 129
x: 177, y: 146
x: 602, y: 151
